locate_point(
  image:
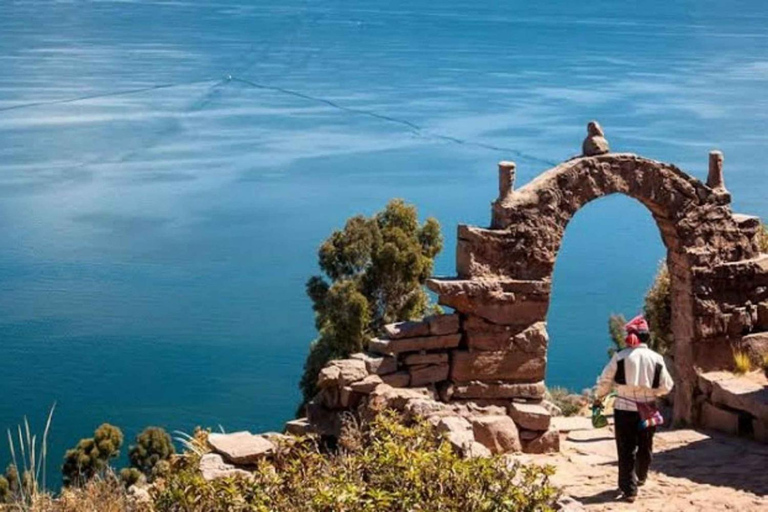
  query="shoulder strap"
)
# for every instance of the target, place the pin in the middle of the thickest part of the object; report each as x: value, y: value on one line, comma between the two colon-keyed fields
x: 621, y: 374
x: 657, y: 375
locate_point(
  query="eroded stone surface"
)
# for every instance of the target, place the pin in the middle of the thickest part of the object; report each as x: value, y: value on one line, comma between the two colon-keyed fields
x: 241, y: 447
x: 498, y: 365
x: 397, y: 346
x: 497, y: 433
x: 212, y: 467
x: 530, y: 416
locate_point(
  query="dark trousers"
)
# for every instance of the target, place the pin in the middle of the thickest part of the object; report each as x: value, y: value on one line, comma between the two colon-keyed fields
x: 635, y: 449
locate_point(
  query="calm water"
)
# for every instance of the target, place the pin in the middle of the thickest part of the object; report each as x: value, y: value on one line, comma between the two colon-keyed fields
x: 154, y: 244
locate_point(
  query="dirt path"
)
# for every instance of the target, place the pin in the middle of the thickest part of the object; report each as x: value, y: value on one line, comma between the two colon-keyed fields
x: 692, y: 471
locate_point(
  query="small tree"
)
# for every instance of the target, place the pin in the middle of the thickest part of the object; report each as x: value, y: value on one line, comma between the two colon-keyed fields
x: 92, y: 455
x: 374, y: 270
x: 762, y: 238
x: 152, y: 446
x: 658, y: 312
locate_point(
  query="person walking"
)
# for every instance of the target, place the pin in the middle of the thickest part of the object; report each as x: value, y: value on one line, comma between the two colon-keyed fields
x: 640, y: 376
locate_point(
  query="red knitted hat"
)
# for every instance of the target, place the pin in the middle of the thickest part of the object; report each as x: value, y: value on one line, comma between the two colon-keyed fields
x: 633, y: 328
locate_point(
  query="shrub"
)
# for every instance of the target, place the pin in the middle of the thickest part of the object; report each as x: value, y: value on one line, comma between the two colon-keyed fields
x: 741, y: 362
x: 5, y: 490
x: 102, y: 494
x: 374, y: 270
x: 570, y: 404
x: 396, y: 468
x: 657, y: 309
x: 765, y: 364
x: 92, y: 455
x: 153, y: 446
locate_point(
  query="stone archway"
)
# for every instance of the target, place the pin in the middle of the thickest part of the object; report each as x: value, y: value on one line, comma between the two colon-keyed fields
x: 718, y: 275
x: 486, y: 362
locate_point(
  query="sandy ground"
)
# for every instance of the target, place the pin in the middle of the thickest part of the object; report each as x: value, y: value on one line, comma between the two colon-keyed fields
x: 691, y: 471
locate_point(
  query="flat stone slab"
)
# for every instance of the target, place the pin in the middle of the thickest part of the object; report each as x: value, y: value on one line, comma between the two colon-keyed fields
x: 417, y: 359
x: 497, y: 366
x: 398, y: 346
x: 748, y: 393
x: 571, y: 423
x: 428, y: 374
x: 494, y: 390
x: 241, y: 447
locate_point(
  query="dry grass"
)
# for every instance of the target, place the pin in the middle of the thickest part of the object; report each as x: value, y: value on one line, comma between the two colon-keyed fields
x: 741, y: 362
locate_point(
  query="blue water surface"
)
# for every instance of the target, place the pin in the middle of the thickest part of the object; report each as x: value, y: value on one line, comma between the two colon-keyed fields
x: 168, y: 169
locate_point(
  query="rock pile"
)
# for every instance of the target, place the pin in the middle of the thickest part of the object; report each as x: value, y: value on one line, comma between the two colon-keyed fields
x: 480, y: 383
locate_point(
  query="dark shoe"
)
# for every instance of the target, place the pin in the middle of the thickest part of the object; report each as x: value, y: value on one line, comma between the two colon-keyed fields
x: 628, y: 498
x: 641, y: 483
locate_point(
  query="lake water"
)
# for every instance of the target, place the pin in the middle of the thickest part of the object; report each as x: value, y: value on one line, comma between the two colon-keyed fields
x: 158, y: 220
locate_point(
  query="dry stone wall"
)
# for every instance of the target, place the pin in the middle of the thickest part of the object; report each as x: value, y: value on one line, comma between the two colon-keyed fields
x: 492, y: 351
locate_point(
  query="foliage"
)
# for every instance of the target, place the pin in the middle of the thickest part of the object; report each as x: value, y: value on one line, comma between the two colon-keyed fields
x: 374, y: 270
x: 152, y: 447
x: 105, y: 494
x: 92, y: 455
x: 26, y: 487
x: 741, y: 362
x: 765, y: 364
x: 658, y: 312
x: 570, y: 404
x: 395, y: 468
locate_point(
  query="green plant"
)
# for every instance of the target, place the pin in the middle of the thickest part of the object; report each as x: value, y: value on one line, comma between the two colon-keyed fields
x: 570, y: 404
x: 741, y: 362
x: 153, y: 446
x: 396, y: 467
x: 374, y: 270
x: 5, y: 490
x: 765, y: 364
x: 92, y: 455
x: 26, y: 476
x: 657, y: 309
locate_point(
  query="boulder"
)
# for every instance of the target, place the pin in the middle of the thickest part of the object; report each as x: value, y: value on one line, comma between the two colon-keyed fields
x: 366, y: 385
x: 397, y: 346
x: 212, y: 466
x: 494, y: 366
x: 755, y: 346
x: 377, y: 364
x: 457, y: 424
x: 241, y: 447
x: 541, y: 442
x: 762, y: 316
x: 530, y: 416
x: 388, y: 397
x: 348, y: 398
x: 428, y: 374
x: 492, y: 390
x: 342, y: 372
x: 475, y: 450
x: 719, y: 419
x: 423, y: 407
x: 419, y: 359
x: 497, y: 433
x: 298, y: 427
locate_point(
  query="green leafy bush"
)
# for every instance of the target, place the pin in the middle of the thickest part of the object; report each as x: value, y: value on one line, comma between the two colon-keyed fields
x: 374, y: 270
x: 762, y: 239
x: 396, y: 468
x: 152, y: 447
x: 92, y: 455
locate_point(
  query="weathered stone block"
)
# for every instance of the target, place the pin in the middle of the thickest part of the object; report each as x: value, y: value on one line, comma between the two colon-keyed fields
x: 530, y: 416
x: 348, y: 398
x: 491, y: 390
x: 377, y: 364
x: 397, y: 379
x: 366, y: 385
x: 440, y: 325
x: 428, y: 374
x: 241, y: 447
x: 743, y: 393
x: 419, y: 359
x: 541, y: 442
x: 341, y: 372
x: 397, y: 346
x: 762, y: 316
x: 497, y: 433
x: 493, y: 366
x: 212, y: 467
x: 410, y: 329
x: 719, y: 419
x: 534, y: 339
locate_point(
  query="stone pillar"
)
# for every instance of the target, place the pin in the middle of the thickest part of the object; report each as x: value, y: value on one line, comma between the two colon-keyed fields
x: 506, y: 178
x: 715, y: 177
